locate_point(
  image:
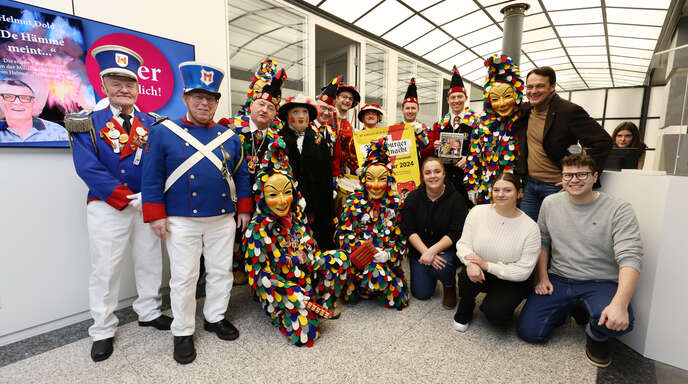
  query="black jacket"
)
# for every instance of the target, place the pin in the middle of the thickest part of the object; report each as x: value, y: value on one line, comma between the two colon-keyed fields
x: 312, y: 170
x: 566, y: 124
x: 455, y: 174
x: 432, y: 220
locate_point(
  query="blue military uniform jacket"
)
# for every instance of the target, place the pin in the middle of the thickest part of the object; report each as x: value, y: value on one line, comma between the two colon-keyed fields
x: 201, y: 191
x: 105, y: 155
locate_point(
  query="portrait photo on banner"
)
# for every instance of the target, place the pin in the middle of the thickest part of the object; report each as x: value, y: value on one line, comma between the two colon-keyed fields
x: 47, y: 72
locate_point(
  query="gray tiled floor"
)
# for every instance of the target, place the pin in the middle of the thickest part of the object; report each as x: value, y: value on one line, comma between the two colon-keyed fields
x: 368, y: 344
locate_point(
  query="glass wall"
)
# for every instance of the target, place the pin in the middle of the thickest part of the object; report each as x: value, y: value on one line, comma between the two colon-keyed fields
x: 375, y: 76
x: 428, y: 84
x: 261, y: 29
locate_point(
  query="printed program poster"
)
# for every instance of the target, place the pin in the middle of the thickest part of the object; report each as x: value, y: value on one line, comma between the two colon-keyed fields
x: 47, y: 72
x: 451, y: 146
x: 401, y: 142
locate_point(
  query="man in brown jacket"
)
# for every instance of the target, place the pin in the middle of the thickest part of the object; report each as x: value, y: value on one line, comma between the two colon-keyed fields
x: 550, y: 129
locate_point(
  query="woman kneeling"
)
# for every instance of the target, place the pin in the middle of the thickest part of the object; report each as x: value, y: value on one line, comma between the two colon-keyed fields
x: 433, y: 220
x: 499, y: 246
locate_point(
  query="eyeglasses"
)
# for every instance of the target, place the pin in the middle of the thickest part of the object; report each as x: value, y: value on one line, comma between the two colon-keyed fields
x: 582, y: 176
x: 197, y: 97
x: 346, y: 97
x: 11, y: 97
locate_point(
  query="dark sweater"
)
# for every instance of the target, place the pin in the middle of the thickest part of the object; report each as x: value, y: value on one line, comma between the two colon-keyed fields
x: 432, y: 220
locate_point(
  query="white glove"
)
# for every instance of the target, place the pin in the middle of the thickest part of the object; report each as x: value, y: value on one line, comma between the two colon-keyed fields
x: 381, y: 256
x: 135, y: 200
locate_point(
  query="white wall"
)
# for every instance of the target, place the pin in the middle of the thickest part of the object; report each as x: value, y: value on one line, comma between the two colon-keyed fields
x: 661, y: 319
x: 43, y: 240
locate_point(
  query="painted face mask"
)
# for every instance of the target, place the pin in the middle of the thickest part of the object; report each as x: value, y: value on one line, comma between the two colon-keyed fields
x: 376, y: 181
x: 503, y: 99
x: 298, y: 118
x: 279, y: 194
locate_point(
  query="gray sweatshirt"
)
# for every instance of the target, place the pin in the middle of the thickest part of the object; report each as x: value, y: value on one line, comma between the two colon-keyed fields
x: 590, y: 242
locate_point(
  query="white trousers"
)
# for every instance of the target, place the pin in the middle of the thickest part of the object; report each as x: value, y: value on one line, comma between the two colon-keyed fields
x: 114, y: 235
x: 189, y: 237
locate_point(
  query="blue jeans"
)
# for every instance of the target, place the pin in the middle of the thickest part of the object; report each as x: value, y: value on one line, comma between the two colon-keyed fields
x: 424, y: 277
x: 543, y: 313
x: 533, y: 194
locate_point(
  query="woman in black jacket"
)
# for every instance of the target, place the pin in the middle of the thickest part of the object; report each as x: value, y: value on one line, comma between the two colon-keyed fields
x: 432, y: 219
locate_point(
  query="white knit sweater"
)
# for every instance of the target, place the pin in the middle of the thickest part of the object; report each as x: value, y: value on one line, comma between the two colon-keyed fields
x: 510, y: 246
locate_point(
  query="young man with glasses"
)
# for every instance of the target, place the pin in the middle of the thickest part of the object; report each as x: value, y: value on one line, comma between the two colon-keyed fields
x: 195, y: 181
x: 548, y: 129
x: 18, y: 125
x: 593, y: 241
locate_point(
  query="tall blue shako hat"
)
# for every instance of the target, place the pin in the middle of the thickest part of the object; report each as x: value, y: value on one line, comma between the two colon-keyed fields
x: 117, y: 61
x: 200, y: 76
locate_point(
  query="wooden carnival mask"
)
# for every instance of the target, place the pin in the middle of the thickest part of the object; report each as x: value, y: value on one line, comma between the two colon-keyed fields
x: 503, y: 99
x: 376, y: 181
x: 279, y: 194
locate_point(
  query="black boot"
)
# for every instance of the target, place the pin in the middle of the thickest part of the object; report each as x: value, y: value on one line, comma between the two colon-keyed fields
x: 101, y: 349
x: 184, y: 350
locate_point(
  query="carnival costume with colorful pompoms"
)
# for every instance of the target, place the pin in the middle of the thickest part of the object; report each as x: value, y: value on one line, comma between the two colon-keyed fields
x: 494, y: 147
x: 286, y: 270
x: 266, y: 81
x: 365, y: 219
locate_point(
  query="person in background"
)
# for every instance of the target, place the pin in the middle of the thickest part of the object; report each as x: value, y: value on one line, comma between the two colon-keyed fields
x: 325, y: 124
x: 18, y: 125
x: 593, y: 242
x: 460, y: 119
x: 432, y: 220
x: 347, y: 99
x: 370, y: 115
x: 499, y: 247
x: 310, y: 161
x: 627, y: 135
x: 108, y: 155
x: 409, y: 109
x: 547, y: 130
x: 195, y: 182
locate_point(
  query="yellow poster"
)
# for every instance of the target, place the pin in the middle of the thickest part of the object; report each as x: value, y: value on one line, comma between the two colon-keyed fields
x: 401, y: 142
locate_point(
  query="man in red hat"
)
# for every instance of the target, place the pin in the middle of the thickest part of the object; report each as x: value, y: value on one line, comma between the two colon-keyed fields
x: 460, y: 119
x: 325, y: 123
x: 347, y: 99
x: 409, y: 109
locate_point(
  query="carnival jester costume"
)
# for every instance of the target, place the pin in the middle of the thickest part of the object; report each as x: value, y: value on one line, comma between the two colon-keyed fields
x: 294, y: 281
x: 371, y: 216
x: 494, y: 146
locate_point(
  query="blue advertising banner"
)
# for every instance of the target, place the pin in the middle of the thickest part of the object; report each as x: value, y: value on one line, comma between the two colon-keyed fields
x: 47, y: 72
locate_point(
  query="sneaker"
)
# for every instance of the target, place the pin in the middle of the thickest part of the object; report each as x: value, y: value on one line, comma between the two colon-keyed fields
x: 597, y: 352
x: 223, y: 328
x: 184, y: 350
x: 460, y: 326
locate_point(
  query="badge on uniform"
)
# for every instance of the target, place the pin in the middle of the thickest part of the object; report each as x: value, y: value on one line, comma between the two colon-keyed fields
x: 114, y: 135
